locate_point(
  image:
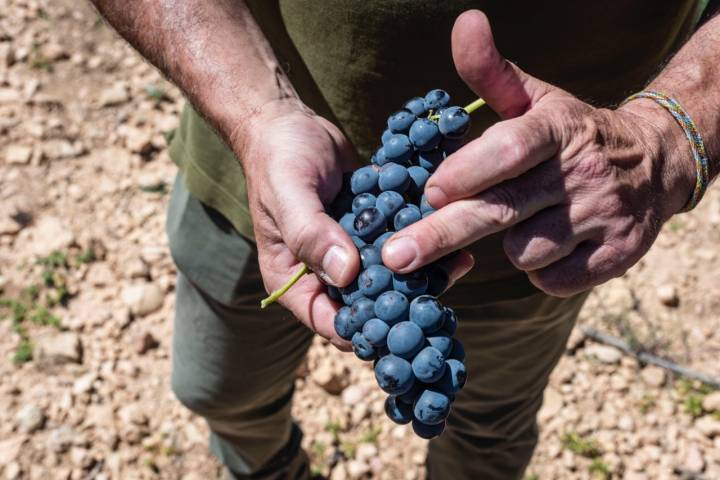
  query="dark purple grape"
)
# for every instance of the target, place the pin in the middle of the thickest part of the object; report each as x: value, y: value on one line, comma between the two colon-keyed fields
x: 398, y: 149
x: 432, y: 407
x: 370, y: 255
x: 406, y: 216
x: 454, y: 122
x: 394, y: 374
x: 427, y: 313
x: 436, y: 99
x: 397, y: 411
x: 411, y: 284
x: 405, y: 339
x: 389, y: 203
x: 363, y: 201
x: 392, y: 307
x: 416, y: 106
x: 364, y: 180
x: 400, y: 121
x: 374, y: 280
x: 370, y: 224
x: 424, y: 134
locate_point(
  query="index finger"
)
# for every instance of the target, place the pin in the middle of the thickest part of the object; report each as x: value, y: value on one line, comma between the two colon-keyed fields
x: 506, y: 150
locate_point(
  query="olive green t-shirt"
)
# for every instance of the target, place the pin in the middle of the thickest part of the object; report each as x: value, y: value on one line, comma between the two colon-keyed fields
x: 355, y: 62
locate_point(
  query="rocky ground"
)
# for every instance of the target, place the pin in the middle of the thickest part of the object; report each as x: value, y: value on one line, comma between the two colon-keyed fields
x: 88, y: 292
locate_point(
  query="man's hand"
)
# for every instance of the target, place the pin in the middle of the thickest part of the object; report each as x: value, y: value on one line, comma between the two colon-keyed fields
x: 582, y: 192
x: 293, y: 162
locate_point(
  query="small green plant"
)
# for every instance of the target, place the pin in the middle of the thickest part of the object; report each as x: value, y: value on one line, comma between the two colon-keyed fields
x: 599, y: 469
x: 156, y: 92
x: 585, y: 447
x: 531, y: 476
x: 647, y: 403
x: 86, y: 256
x: 348, y: 449
x: 693, y: 405
x: 38, y: 61
x: 159, y: 188
x: 371, y: 436
x: 23, y: 352
x: 334, y: 428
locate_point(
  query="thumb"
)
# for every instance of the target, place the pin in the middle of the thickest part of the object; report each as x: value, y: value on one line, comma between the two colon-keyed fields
x: 316, y: 239
x: 508, y: 90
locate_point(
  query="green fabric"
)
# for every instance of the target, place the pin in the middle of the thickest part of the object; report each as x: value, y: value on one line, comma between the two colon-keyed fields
x: 356, y: 61
x: 235, y: 364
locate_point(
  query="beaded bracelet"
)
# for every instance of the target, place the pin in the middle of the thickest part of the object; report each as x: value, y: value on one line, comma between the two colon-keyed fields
x: 696, y: 142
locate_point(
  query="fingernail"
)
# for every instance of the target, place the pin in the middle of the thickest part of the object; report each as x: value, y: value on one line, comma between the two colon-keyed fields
x: 401, y: 252
x: 436, y: 197
x: 334, y: 263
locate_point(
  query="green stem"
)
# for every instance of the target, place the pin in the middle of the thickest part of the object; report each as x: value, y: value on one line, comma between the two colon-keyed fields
x: 274, y: 296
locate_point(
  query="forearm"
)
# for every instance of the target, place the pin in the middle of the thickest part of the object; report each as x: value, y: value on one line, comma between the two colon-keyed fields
x: 693, y: 78
x: 213, y: 51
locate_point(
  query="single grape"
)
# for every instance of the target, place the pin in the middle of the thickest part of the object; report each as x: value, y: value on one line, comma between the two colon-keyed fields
x: 418, y: 178
x: 450, y: 323
x: 370, y: 255
x: 442, y: 341
x: 394, y: 177
x: 362, y: 310
x: 375, y: 330
x: 406, y: 216
x: 343, y: 326
x: 364, y: 180
x: 411, y: 284
x: 432, y: 407
x: 451, y: 145
x: 430, y: 160
x: 362, y: 347
x: 428, y: 365
x: 427, y: 432
x: 370, y: 223
x: 380, y: 241
x: 398, y: 149
x: 363, y: 201
x: 424, y: 134
x: 394, y: 374
x: 416, y: 106
x: 359, y: 242
x: 392, y: 307
x: 379, y: 158
x: 387, y: 133
x: 458, y: 350
x: 427, y: 313
x: 375, y: 280
x: 350, y: 293
x: 400, y: 121
x: 405, y: 340
x: 334, y: 293
x: 390, y: 202
x: 454, y: 122
x: 436, y: 99
x: 424, y: 205
x: 347, y: 222
x: 453, y: 379
x: 397, y: 411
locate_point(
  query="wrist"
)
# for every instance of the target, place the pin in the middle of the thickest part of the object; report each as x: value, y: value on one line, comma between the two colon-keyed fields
x: 672, y: 170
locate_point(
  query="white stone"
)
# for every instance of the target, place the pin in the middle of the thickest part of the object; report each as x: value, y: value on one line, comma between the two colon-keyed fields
x: 10, y: 449
x: 50, y: 235
x: 61, y: 439
x: 653, y: 376
x: 709, y: 426
x: 604, y: 353
x: 354, y: 394
x: 668, y: 295
x: 711, y: 402
x: 30, y: 418
x: 84, y: 384
x: 13, y: 471
x: 143, y: 298
x: 114, y: 95
x: 552, y: 405
x: 133, y: 414
x: 58, y: 348
x: 626, y: 423
x: 328, y: 378
x: 365, y: 452
x: 357, y: 469
x: 18, y: 154
x: 694, y: 461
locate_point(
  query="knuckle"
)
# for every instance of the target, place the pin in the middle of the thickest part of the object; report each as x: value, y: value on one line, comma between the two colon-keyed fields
x: 513, y: 147
x: 501, y: 209
x: 553, y: 284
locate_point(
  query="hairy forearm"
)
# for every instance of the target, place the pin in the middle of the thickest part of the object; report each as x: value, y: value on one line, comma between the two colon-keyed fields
x: 213, y: 50
x: 693, y: 78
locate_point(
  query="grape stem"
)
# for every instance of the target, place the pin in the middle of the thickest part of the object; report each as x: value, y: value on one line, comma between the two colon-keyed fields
x: 274, y: 296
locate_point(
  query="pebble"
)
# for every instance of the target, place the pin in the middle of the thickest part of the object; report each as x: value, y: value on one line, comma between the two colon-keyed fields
x: 711, y: 402
x: 365, y: 452
x: 30, y: 418
x: 58, y: 348
x: 552, y: 404
x: 708, y: 426
x: 357, y: 469
x: 354, y: 394
x: 694, y: 461
x: 668, y: 295
x: 329, y: 379
x: 10, y: 449
x: 626, y: 423
x: 84, y: 384
x: 133, y: 414
x: 13, y: 471
x: 114, y: 95
x: 143, y: 298
x: 145, y: 343
x: 61, y: 439
x: 51, y: 234
x: 18, y: 154
x: 653, y: 376
x: 604, y: 353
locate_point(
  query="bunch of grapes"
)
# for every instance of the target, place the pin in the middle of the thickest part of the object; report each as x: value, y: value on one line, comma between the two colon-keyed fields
x: 395, y: 319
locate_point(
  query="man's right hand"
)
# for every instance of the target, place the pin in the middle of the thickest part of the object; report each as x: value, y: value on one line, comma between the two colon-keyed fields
x: 293, y: 161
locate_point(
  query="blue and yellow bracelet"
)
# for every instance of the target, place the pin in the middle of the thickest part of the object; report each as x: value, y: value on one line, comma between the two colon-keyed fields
x: 697, y: 146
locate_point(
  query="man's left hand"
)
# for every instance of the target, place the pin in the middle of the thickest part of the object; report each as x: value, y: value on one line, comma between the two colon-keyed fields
x: 581, y: 191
